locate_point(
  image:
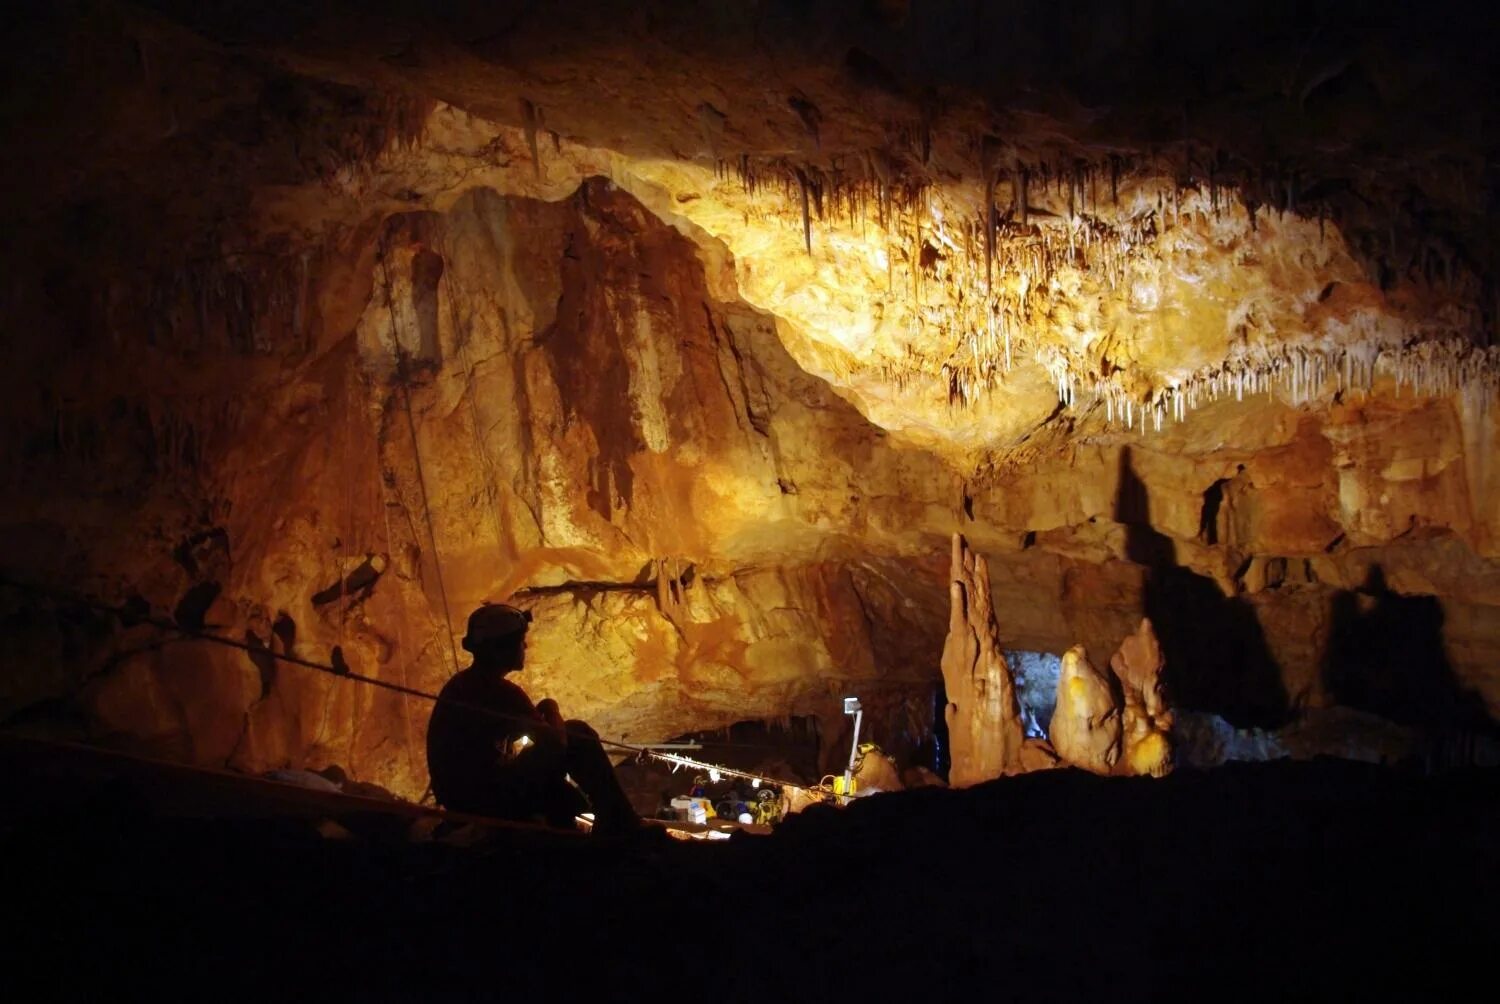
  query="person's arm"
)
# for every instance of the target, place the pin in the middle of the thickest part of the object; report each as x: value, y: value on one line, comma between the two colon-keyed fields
x: 535, y: 751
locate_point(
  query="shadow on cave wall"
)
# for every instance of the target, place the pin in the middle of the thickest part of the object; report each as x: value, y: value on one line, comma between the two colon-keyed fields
x: 1385, y: 655
x: 1216, y: 654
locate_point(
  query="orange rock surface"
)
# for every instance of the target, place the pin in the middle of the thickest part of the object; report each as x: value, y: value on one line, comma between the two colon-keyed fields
x: 370, y: 321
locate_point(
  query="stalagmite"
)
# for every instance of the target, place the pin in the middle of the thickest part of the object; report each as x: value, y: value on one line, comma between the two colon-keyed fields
x: 1085, y: 728
x: 1146, y: 720
x: 983, y: 716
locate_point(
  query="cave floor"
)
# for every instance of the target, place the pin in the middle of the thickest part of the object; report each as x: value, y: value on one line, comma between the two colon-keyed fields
x: 1292, y: 879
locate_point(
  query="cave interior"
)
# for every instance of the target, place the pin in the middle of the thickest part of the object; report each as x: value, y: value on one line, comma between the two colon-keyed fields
x: 1104, y: 394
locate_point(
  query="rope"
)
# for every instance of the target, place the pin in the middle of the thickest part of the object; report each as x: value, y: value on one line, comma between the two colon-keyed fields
x: 390, y: 551
x: 682, y: 761
x: 339, y: 566
x: 416, y: 452
x: 166, y: 625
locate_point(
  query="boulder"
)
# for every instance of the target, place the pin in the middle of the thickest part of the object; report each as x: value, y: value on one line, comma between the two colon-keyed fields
x: 877, y: 772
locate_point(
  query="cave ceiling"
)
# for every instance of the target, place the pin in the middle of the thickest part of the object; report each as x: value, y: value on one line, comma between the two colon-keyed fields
x: 980, y: 223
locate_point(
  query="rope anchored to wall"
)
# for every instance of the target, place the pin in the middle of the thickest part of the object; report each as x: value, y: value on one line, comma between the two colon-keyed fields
x: 340, y: 668
x: 403, y: 383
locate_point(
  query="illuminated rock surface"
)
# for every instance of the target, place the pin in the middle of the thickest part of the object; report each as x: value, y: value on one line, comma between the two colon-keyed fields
x: 983, y: 717
x: 1146, y: 718
x: 1085, y: 727
x: 370, y: 319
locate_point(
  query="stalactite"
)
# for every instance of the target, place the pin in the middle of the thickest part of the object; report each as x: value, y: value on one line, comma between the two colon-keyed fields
x: 1026, y: 260
x: 989, y: 228
x: 806, y: 220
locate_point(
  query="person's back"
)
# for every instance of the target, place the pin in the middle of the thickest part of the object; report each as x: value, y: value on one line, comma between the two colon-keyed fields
x: 479, y: 718
x: 491, y: 752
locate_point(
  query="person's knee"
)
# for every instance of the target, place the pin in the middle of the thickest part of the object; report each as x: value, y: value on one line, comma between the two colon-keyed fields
x: 579, y: 729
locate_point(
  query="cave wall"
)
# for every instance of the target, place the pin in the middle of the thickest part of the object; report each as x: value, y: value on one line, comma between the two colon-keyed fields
x: 705, y: 533
x: 1252, y: 555
x: 689, y: 514
x: 245, y: 303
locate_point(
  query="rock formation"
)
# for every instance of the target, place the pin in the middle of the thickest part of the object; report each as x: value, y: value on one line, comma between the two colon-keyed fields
x: 1120, y: 725
x: 984, y: 719
x: 877, y: 772
x: 1085, y: 728
x: 1146, y: 720
x: 702, y: 350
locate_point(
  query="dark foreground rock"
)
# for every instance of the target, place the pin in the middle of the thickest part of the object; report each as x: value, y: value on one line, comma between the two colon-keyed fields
x: 1280, y: 879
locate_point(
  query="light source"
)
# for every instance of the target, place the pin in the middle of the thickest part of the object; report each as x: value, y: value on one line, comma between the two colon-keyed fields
x: 852, y: 707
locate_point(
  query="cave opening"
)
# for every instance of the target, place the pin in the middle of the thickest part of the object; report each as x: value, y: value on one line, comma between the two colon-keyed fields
x: 1036, y: 688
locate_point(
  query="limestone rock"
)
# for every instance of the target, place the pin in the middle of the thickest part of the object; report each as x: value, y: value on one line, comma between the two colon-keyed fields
x: 921, y: 777
x: 1038, y: 754
x: 712, y: 461
x: 1086, y: 723
x: 1146, y: 719
x: 983, y: 715
x: 877, y: 772
x: 794, y: 800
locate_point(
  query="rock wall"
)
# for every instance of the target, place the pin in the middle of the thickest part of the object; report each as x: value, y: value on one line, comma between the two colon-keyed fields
x: 1255, y: 535
x: 706, y: 533
x: 280, y: 319
x: 538, y: 401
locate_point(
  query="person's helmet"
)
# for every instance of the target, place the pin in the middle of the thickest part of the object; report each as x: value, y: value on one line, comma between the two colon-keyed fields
x: 495, y: 622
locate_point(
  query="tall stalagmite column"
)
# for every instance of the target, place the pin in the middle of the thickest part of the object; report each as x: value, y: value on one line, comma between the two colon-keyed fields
x: 983, y: 716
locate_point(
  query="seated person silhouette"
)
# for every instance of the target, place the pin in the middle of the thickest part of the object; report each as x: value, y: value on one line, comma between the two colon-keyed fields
x: 492, y: 753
